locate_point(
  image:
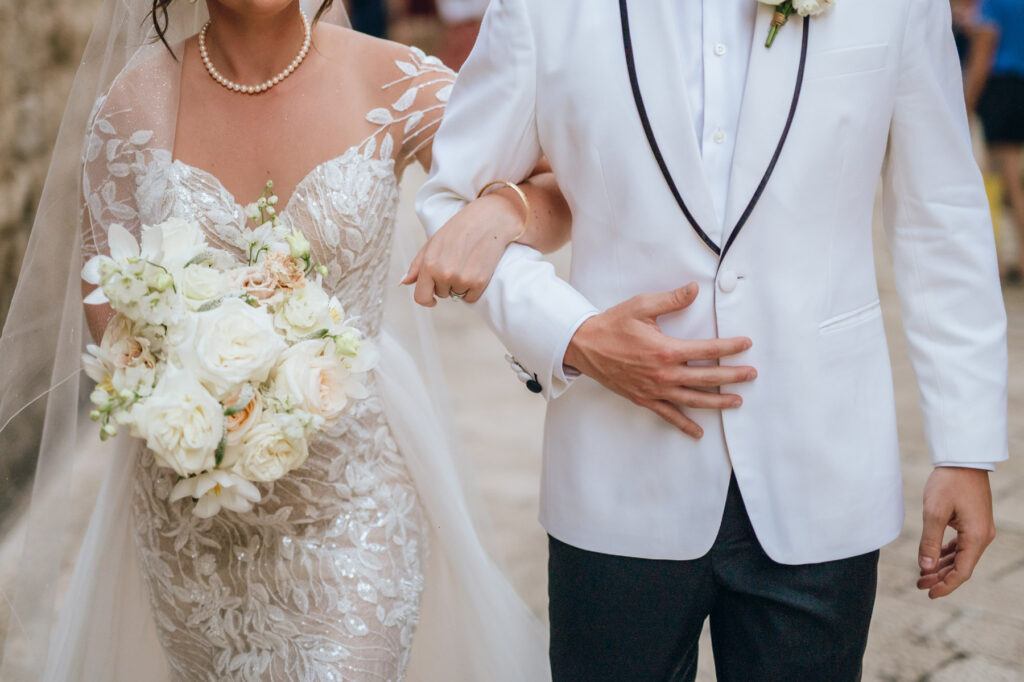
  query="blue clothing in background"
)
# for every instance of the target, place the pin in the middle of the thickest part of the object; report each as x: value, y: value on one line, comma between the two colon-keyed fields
x: 1008, y: 17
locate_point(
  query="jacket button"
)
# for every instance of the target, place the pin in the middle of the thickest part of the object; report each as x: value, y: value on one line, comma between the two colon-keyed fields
x: 727, y: 281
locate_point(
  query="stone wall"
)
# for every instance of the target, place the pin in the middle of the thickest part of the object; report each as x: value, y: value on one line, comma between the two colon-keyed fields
x: 41, y: 42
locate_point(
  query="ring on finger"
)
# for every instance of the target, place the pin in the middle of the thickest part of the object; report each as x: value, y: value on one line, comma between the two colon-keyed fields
x: 456, y: 295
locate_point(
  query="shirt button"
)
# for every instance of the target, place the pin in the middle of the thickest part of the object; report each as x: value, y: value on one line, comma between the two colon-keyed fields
x: 718, y: 137
x: 719, y: 49
x: 727, y: 281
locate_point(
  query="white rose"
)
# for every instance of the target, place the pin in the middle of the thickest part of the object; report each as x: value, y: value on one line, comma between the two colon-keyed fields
x: 181, y: 423
x: 182, y: 240
x: 233, y: 344
x: 312, y: 378
x: 303, y: 312
x: 267, y: 454
x: 199, y: 284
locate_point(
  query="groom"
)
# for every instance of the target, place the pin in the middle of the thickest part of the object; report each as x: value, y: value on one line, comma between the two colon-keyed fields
x: 728, y: 450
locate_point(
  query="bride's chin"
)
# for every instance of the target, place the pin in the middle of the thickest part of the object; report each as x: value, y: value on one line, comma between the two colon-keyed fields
x: 255, y: 8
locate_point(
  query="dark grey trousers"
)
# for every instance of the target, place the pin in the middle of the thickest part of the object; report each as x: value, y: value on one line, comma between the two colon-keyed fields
x: 620, y: 619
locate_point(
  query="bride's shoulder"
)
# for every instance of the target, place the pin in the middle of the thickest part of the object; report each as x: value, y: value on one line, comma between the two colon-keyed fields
x: 375, y: 60
x: 145, y: 90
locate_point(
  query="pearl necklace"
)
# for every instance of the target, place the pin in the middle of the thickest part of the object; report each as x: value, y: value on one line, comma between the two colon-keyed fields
x: 265, y: 85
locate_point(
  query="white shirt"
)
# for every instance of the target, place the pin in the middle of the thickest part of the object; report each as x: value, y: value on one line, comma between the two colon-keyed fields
x: 714, y: 43
x: 715, y: 37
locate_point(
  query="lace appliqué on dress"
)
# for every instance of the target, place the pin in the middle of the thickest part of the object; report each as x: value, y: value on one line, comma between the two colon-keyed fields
x: 322, y: 579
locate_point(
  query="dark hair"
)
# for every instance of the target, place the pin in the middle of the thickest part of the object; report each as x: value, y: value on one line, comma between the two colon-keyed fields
x: 160, y: 18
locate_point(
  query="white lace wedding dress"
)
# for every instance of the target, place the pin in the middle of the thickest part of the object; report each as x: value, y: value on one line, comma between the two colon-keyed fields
x: 323, y: 579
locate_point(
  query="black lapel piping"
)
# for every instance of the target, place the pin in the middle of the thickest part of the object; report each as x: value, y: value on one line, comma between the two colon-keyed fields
x: 627, y: 42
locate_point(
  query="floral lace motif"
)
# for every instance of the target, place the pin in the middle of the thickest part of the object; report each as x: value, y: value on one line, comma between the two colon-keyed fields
x: 322, y: 580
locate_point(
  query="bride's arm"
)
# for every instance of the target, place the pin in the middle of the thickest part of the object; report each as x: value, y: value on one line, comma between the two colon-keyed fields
x: 462, y: 256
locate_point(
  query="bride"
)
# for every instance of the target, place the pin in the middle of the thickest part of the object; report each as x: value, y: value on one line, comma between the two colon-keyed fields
x: 363, y: 564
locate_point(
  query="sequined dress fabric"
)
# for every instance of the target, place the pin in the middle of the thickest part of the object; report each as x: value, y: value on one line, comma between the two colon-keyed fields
x: 322, y: 580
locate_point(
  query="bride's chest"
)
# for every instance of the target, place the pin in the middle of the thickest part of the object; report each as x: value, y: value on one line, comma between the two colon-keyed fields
x: 345, y: 207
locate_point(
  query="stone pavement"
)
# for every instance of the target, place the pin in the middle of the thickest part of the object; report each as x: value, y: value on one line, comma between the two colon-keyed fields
x: 975, y: 635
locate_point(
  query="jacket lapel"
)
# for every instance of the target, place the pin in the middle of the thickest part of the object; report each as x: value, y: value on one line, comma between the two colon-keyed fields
x: 656, y: 76
x: 770, y: 98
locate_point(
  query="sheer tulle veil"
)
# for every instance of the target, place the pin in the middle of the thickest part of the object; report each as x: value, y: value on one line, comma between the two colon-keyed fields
x: 98, y: 626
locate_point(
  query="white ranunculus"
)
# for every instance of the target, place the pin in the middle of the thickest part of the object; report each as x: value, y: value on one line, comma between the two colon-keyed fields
x: 233, y: 344
x: 215, y: 490
x: 182, y: 240
x: 303, y: 312
x: 181, y: 423
x: 199, y: 284
x: 313, y: 378
x: 267, y: 454
x: 810, y: 8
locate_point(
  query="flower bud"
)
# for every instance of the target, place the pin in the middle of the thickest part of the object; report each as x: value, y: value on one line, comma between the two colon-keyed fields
x: 272, y: 200
x: 347, y: 343
x: 271, y: 210
x: 321, y: 270
x: 262, y: 202
x: 95, y: 415
x: 163, y: 282
x: 298, y: 244
x: 127, y: 395
x: 99, y: 397
x: 108, y: 431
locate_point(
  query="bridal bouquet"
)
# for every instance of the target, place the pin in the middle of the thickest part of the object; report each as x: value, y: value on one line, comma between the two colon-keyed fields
x: 225, y: 369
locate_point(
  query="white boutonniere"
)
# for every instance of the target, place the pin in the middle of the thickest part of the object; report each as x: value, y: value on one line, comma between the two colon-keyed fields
x: 783, y: 10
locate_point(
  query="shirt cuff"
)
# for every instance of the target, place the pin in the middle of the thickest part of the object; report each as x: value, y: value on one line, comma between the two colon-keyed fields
x: 985, y: 466
x: 561, y: 375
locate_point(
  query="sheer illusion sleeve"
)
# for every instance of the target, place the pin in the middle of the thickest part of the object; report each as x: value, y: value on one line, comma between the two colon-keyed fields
x: 418, y: 94
x: 126, y: 134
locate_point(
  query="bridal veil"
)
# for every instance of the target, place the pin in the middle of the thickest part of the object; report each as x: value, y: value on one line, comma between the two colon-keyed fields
x: 473, y: 626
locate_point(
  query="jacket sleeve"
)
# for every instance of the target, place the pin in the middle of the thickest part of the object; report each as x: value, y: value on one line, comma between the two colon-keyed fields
x: 489, y: 132
x: 940, y: 232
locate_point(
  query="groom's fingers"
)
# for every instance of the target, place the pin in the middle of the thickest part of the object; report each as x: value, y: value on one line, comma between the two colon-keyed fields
x: 673, y: 416
x: 652, y: 306
x: 688, y: 397
x: 710, y: 349
x: 711, y: 377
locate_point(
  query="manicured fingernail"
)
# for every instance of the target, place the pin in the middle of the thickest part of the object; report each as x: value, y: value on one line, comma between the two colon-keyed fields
x: 927, y: 562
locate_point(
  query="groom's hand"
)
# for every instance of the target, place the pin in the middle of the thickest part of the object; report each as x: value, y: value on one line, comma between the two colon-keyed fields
x: 623, y: 349
x: 961, y: 499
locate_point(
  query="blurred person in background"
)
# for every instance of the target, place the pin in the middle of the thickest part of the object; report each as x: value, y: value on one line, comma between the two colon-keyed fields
x: 462, y: 24
x: 369, y: 16
x: 994, y: 88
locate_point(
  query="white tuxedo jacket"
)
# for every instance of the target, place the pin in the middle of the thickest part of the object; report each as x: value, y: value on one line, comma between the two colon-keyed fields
x: 814, y: 445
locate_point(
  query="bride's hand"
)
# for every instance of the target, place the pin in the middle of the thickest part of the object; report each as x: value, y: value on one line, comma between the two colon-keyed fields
x: 461, y: 257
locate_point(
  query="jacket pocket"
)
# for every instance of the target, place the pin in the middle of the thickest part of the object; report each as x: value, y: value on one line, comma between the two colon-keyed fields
x: 847, y: 61
x: 851, y: 318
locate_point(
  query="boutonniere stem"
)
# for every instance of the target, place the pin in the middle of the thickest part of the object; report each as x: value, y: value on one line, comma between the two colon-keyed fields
x: 782, y: 12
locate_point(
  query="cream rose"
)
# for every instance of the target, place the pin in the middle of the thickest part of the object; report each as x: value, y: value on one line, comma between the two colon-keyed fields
x: 242, y: 419
x: 199, y: 285
x: 182, y: 241
x: 233, y: 344
x: 312, y: 378
x: 255, y: 281
x: 181, y: 423
x: 810, y: 8
x: 285, y: 270
x: 303, y: 312
x: 267, y: 454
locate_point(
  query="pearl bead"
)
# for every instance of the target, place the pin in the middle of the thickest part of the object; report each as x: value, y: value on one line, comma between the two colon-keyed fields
x: 265, y: 85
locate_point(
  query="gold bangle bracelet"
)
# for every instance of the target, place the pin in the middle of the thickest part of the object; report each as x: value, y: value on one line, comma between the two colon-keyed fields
x: 522, y: 197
